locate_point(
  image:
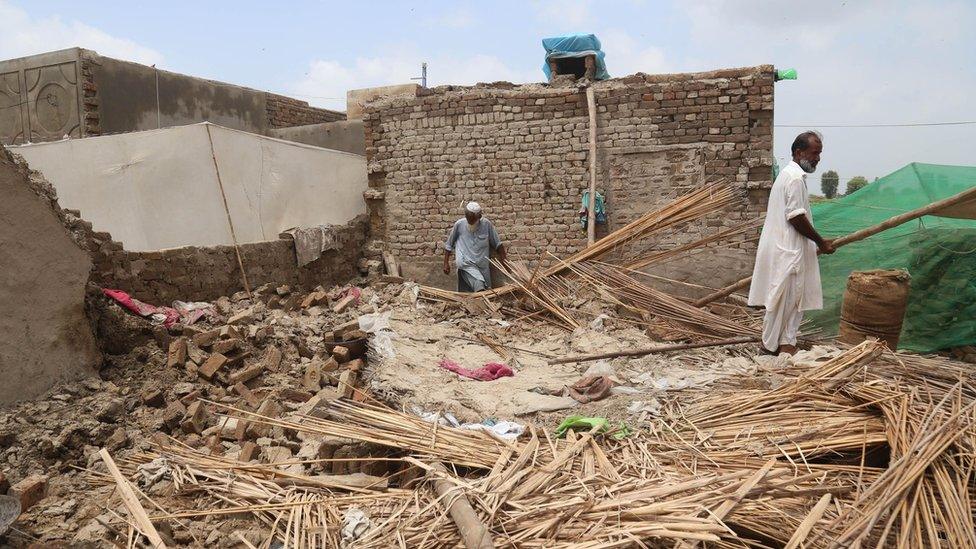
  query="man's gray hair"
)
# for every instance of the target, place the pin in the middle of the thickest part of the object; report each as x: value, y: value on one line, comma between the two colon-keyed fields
x: 804, y: 141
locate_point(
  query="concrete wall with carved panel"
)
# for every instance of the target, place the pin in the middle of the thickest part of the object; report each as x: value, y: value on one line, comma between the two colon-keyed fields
x: 79, y: 93
x: 41, y: 98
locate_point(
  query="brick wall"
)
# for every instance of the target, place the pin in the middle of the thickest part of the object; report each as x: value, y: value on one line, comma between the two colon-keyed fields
x: 522, y: 151
x: 285, y: 112
x: 91, y: 119
x: 203, y: 274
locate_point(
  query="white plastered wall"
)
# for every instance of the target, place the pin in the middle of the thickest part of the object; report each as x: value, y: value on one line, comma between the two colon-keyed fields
x: 158, y: 189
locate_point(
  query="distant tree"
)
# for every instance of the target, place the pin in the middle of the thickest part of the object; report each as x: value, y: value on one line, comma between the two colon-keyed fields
x: 829, y: 182
x: 856, y: 183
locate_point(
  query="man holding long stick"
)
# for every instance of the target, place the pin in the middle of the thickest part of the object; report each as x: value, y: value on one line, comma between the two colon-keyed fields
x: 786, y: 277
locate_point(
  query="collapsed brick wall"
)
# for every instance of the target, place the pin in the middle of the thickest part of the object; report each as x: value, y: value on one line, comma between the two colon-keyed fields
x: 206, y: 273
x: 522, y: 151
x: 285, y: 112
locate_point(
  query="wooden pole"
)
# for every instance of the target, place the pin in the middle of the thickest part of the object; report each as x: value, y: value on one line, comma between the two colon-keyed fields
x: 131, y: 502
x: 724, y: 292
x: 591, y: 207
x: 658, y: 349
x: 473, y: 532
x: 230, y: 222
x: 900, y: 219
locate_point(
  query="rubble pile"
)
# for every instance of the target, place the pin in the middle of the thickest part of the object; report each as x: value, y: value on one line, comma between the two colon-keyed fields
x: 276, y: 352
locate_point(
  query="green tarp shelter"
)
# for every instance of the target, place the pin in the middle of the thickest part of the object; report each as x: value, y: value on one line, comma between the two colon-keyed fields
x: 938, y: 251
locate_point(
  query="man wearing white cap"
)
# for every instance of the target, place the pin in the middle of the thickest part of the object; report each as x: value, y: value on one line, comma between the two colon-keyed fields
x: 471, y: 240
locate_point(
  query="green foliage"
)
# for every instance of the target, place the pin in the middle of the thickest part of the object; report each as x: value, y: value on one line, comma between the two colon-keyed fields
x: 829, y: 182
x: 856, y: 183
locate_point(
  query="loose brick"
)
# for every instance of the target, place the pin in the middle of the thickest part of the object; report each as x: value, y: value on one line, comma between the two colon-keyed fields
x: 312, y: 380
x: 249, y: 451
x: 176, y: 356
x: 344, y: 304
x: 210, y: 367
x: 246, y: 374
x: 206, y: 339
x: 347, y: 383
x: 269, y: 408
x: 30, y: 491
x: 173, y: 414
x: 153, y: 397
x: 248, y: 395
x: 272, y: 359
x: 194, y: 419
x: 341, y: 354
x: 225, y: 346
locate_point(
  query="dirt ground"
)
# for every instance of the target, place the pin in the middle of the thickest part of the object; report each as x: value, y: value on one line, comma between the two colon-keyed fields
x: 129, y: 406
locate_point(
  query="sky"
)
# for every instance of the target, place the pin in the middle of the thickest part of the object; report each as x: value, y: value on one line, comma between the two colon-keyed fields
x: 860, y: 62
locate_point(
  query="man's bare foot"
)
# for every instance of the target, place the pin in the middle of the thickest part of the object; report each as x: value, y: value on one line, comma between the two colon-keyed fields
x: 764, y: 351
x: 788, y: 349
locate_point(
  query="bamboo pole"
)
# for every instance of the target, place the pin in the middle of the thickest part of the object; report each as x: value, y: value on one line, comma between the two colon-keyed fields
x: 230, y: 222
x: 591, y: 207
x: 473, y: 532
x: 652, y: 350
x: 131, y: 502
x: 900, y: 219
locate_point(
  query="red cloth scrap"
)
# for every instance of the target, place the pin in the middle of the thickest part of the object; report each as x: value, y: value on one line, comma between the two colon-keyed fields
x: 488, y: 372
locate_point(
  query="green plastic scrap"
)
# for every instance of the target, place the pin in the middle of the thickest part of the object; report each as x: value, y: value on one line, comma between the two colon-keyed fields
x: 587, y: 423
x: 786, y: 74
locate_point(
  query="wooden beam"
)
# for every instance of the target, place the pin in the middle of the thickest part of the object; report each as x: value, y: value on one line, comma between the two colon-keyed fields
x: 652, y: 350
x: 591, y: 207
x: 131, y: 502
x: 900, y: 219
x: 473, y: 532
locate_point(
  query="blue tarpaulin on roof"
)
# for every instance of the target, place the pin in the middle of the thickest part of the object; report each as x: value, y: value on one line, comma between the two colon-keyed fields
x: 575, y: 45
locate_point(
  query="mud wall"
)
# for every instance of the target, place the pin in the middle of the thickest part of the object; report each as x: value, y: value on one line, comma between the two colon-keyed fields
x: 206, y: 273
x: 43, y: 272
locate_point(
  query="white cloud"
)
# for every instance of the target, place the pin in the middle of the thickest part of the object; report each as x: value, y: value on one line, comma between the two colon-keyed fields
x: 625, y: 55
x: 326, y: 82
x: 22, y: 35
x: 456, y: 18
x: 858, y: 63
x: 574, y: 13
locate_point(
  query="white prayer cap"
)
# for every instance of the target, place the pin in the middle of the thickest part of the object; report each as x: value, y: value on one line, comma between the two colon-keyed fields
x: 473, y: 207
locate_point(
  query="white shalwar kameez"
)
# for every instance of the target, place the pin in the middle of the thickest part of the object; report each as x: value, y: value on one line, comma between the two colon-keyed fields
x: 786, y: 278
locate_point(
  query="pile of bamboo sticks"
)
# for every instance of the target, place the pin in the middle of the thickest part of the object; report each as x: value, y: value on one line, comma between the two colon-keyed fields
x: 865, y: 449
x: 606, y: 271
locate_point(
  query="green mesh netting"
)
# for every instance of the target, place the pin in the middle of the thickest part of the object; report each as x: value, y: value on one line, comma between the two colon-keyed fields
x: 938, y: 252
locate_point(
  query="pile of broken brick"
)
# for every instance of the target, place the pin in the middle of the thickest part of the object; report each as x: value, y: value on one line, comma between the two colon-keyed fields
x: 275, y: 352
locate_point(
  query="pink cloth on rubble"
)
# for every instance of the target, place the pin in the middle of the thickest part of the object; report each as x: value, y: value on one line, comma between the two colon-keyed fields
x: 488, y: 372
x: 169, y: 315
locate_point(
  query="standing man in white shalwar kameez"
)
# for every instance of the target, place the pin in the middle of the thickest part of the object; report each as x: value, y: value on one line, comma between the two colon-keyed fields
x: 786, y: 278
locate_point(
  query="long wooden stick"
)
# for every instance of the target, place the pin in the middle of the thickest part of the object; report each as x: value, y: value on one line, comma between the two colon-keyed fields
x: 900, y: 219
x: 652, y: 350
x: 591, y: 207
x: 473, y: 532
x: 230, y: 222
x: 724, y: 292
x: 132, y: 502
